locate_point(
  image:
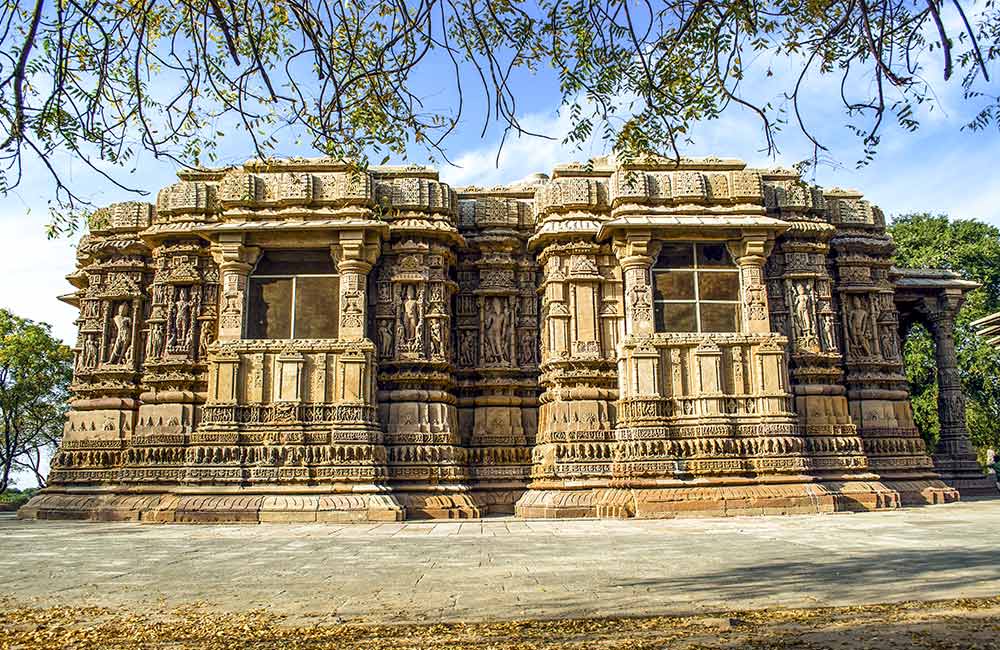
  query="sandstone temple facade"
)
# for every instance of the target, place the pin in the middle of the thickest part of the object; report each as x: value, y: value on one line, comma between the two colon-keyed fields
x: 304, y: 341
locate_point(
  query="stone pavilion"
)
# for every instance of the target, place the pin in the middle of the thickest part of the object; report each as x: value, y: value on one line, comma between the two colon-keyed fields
x: 304, y: 340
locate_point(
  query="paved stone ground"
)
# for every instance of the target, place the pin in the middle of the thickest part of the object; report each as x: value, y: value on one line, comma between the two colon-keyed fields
x: 509, y: 569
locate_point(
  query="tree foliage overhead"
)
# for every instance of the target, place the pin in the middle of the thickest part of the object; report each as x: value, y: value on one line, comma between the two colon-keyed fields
x: 972, y: 249
x: 103, y: 80
x: 35, y: 372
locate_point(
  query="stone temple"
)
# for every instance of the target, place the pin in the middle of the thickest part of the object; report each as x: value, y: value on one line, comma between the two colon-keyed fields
x: 304, y: 341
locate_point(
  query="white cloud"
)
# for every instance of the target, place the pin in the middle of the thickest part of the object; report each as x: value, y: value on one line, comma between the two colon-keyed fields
x: 520, y: 156
x: 33, y: 269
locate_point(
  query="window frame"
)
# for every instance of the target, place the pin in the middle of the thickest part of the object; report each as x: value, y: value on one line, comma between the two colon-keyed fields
x: 293, y: 277
x: 697, y: 301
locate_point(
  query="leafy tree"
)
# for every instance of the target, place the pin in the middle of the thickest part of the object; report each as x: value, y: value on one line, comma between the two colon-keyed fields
x: 972, y: 249
x: 104, y: 79
x: 35, y: 372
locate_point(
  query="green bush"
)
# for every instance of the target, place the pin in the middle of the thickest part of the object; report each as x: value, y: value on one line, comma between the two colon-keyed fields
x: 12, y: 498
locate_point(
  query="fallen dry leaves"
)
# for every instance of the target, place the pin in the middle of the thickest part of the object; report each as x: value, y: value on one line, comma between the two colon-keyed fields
x: 953, y: 624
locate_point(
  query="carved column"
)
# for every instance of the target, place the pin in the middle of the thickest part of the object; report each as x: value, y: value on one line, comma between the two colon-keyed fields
x: 427, y: 463
x: 954, y: 456
x: 497, y: 379
x: 114, y: 272
x: 235, y: 263
x: 636, y: 256
x: 877, y: 390
x: 354, y: 260
x: 639, y: 367
x: 574, y: 447
x: 750, y: 254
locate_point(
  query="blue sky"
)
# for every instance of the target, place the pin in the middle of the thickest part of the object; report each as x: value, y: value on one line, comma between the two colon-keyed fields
x: 940, y: 168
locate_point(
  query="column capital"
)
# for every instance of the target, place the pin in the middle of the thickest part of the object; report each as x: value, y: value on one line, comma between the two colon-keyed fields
x: 751, y: 249
x: 356, y: 246
x: 233, y: 255
x: 636, y: 248
x: 942, y: 308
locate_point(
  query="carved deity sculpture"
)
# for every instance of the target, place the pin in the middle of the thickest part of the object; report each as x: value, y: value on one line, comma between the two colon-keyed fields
x: 154, y: 345
x: 411, y: 316
x: 828, y: 332
x: 859, y: 329
x: 121, y: 347
x: 385, y: 338
x: 526, y: 351
x: 802, y: 306
x: 89, y: 358
x: 437, y: 343
x: 888, y: 340
x: 182, y: 317
x: 495, y: 343
x: 205, y: 340
x: 467, y: 350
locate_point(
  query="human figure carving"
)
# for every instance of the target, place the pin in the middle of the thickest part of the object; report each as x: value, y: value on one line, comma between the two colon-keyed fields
x: 411, y: 316
x: 889, y: 350
x: 859, y: 328
x: 155, y: 345
x: 207, y: 337
x: 496, y: 330
x: 802, y: 305
x: 829, y: 334
x: 182, y: 317
x: 89, y: 352
x: 437, y: 344
x: 385, y: 338
x: 467, y: 350
x: 121, y: 348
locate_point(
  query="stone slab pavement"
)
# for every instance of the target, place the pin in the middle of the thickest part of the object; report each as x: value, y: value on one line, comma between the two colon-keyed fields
x: 505, y: 568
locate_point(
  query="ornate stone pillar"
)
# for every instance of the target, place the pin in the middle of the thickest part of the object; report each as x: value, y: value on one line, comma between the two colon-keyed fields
x: 235, y: 263
x: 427, y: 463
x: 750, y: 254
x: 636, y: 255
x: 354, y: 258
x: 954, y: 457
x: 877, y: 391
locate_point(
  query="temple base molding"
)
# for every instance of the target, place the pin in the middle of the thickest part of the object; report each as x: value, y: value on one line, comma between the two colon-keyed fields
x: 710, y: 500
x: 215, y: 508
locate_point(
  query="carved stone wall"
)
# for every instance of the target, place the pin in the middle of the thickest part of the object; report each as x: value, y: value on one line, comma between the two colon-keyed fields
x: 495, y: 350
x: 496, y: 330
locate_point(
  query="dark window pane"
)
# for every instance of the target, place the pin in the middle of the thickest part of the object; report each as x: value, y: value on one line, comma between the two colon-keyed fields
x: 718, y: 286
x: 269, y: 310
x: 713, y: 256
x: 673, y: 285
x: 676, y: 317
x: 316, y: 307
x: 675, y: 256
x: 295, y: 262
x: 719, y: 317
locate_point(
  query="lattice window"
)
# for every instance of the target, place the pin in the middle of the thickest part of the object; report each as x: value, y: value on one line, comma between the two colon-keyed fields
x: 696, y: 288
x: 293, y: 294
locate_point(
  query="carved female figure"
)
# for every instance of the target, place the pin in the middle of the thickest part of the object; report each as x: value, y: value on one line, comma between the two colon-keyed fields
x: 802, y: 305
x: 437, y: 344
x: 384, y: 338
x: 495, y: 330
